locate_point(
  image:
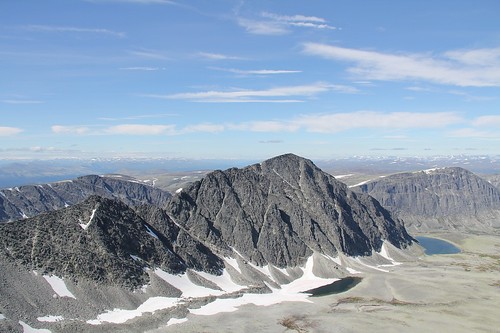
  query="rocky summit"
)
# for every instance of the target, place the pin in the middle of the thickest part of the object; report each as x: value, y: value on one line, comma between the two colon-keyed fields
x: 439, y: 199
x: 282, y: 210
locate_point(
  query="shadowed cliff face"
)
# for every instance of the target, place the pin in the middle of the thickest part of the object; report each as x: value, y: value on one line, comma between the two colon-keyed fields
x: 104, y: 241
x: 281, y: 210
x: 437, y: 199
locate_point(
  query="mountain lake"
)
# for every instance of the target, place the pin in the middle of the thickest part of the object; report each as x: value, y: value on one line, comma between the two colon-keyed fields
x: 437, y: 246
x: 336, y: 287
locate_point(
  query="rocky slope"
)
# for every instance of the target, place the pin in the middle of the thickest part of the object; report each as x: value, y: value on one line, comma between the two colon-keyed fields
x: 30, y: 200
x: 105, y: 241
x: 439, y: 199
x: 282, y: 210
x: 274, y: 227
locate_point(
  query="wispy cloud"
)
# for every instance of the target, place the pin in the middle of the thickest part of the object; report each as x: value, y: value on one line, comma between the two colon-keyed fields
x: 337, y: 122
x: 266, y: 126
x: 276, y: 95
x: 79, y: 130
x: 150, y: 54
x: 263, y: 27
x: 141, y: 116
x: 136, y: 129
x: 21, y: 101
x: 8, y: 131
x: 142, y: 2
x: 65, y: 29
x: 458, y: 68
x: 217, y: 56
x: 474, y: 133
x: 142, y: 68
x: 275, y: 24
x: 487, y: 121
x: 261, y: 72
x: 299, y: 21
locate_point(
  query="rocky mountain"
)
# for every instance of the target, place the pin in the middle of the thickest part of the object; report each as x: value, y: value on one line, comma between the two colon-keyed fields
x: 105, y: 241
x: 280, y: 227
x: 30, y: 200
x: 282, y: 210
x: 439, y: 199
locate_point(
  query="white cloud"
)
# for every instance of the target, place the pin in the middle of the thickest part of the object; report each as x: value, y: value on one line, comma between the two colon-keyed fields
x: 63, y: 29
x: 459, y: 68
x: 136, y: 129
x: 487, y: 121
x: 473, y: 133
x: 150, y: 54
x: 300, y: 21
x: 206, y: 127
x: 265, y: 126
x: 58, y: 129
x: 337, y: 122
x: 217, y: 56
x: 270, y: 95
x: 8, y: 131
x: 262, y: 27
x: 294, y: 18
x: 142, y: 68
x: 143, y: 2
x: 262, y: 72
x: 275, y: 24
x: 21, y: 101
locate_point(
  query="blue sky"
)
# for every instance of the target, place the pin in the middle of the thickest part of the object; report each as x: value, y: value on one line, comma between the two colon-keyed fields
x: 248, y: 79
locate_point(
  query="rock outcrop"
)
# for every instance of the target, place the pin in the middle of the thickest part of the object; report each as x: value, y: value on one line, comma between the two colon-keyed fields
x: 439, y: 199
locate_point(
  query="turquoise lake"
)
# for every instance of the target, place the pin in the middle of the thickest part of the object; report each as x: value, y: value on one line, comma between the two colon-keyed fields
x: 437, y: 246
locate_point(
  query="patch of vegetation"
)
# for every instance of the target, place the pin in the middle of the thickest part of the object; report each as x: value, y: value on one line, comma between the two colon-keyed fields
x: 299, y: 324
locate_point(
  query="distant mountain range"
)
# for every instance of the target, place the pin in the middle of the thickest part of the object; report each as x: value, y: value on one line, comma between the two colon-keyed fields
x: 30, y: 200
x: 439, y: 199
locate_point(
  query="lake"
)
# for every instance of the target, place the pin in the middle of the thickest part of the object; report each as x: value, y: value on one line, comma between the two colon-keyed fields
x: 336, y: 287
x: 437, y: 246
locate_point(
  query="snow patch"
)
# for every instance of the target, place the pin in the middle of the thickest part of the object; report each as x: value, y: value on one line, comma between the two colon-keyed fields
x: 223, y: 281
x: 119, y: 316
x: 362, y: 183
x: 58, y: 286
x: 233, y: 263
x: 28, y: 329
x: 352, y: 271
x: 179, y: 190
x: 85, y: 226
x: 370, y: 266
x: 344, y: 176
x: 50, y: 319
x: 149, y: 231
x: 174, y: 321
x: 383, y: 253
x: 2, y: 317
x: 292, y: 292
x: 184, y: 284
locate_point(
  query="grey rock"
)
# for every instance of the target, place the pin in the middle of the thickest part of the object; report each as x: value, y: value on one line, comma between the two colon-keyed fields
x: 30, y: 200
x: 439, y: 199
x: 101, y: 240
x: 282, y: 210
